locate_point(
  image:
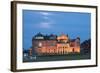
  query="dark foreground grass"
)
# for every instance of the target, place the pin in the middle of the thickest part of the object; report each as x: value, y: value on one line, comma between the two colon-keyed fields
x: 56, y: 57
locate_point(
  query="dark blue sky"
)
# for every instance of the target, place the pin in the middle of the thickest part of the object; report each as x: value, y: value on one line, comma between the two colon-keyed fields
x: 49, y: 22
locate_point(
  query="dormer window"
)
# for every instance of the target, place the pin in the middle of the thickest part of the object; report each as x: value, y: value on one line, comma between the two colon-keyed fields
x: 39, y: 37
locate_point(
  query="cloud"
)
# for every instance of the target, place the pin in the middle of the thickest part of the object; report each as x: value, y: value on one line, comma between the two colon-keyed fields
x: 45, y: 13
x: 47, y: 21
x: 45, y: 25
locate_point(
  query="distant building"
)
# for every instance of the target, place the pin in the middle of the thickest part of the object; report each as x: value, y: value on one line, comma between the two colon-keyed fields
x: 54, y: 45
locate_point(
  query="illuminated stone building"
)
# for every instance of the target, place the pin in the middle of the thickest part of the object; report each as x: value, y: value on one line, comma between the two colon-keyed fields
x: 54, y: 45
x: 44, y: 44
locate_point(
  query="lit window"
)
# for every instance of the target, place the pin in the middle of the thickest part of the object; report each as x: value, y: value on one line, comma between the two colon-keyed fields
x: 40, y: 44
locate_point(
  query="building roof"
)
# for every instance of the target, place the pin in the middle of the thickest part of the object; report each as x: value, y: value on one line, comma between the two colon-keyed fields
x: 45, y: 37
x: 39, y: 34
x: 63, y: 37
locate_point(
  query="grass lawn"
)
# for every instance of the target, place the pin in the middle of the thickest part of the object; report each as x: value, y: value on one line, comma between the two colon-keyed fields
x: 56, y: 57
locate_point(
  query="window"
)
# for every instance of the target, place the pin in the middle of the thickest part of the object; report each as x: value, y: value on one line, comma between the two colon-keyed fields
x: 52, y: 44
x: 40, y: 44
x: 39, y: 37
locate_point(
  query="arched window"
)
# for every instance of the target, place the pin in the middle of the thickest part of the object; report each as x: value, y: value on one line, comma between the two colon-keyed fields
x: 40, y: 44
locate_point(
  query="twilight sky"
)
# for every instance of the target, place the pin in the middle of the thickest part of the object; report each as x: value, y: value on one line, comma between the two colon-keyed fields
x: 49, y: 22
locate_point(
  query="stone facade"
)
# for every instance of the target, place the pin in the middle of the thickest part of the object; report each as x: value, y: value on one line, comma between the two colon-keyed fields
x: 54, y: 45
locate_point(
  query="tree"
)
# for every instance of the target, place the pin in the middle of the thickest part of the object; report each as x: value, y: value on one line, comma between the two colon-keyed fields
x: 86, y: 46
